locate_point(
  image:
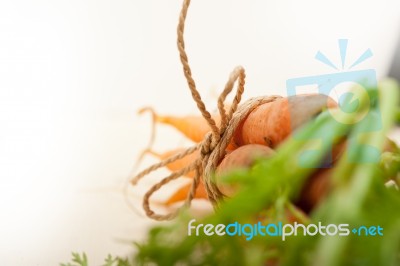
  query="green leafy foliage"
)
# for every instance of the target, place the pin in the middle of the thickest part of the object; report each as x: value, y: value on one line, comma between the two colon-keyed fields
x: 116, y: 261
x: 358, y: 197
x: 79, y: 260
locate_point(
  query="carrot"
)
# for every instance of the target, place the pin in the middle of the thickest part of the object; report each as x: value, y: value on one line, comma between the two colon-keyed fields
x: 242, y: 157
x: 193, y: 127
x: 182, y: 193
x: 269, y: 124
x: 178, y: 164
x: 339, y: 149
x: 315, y: 189
x: 319, y: 184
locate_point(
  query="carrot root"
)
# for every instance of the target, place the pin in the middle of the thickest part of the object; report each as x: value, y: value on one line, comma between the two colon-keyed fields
x: 181, y: 194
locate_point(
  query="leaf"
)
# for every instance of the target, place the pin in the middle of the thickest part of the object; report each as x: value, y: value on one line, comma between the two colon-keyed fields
x: 81, y: 260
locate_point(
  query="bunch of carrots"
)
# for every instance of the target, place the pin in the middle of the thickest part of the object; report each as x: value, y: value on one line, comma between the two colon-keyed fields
x: 262, y: 131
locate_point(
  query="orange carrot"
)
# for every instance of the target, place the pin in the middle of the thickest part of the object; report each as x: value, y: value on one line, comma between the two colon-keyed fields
x: 315, y: 189
x: 178, y: 164
x: 242, y: 157
x: 270, y: 123
x: 182, y: 193
x: 319, y: 183
x: 193, y: 127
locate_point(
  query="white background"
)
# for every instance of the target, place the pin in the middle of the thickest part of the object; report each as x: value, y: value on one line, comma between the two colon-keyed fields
x: 74, y: 73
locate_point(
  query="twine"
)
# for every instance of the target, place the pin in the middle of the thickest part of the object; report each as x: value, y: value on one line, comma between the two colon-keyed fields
x: 212, y: 148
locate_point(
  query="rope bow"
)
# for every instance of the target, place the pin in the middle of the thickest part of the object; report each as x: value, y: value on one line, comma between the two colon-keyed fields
x: 212, y: 148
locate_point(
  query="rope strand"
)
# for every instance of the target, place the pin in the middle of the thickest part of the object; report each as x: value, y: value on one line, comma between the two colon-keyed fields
x: 212, y: 148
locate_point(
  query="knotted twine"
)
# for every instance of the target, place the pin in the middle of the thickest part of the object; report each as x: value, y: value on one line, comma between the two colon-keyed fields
x: 212, y: 148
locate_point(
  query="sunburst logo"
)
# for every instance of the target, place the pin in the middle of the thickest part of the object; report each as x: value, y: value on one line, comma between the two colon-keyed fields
x: 343, y: 53
x: 350, y: 88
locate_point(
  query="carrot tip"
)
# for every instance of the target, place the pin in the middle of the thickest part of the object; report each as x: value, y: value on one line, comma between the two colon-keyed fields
x: 151, y: 152
x: 147, y: 109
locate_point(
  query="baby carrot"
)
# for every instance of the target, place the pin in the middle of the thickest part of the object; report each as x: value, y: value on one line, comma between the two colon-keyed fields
x: 242, y: 157
x: 192, y: 126
x: 270, y: 123
x: 315, y: 189
x: 181, y: 194
x: 318, y: 184
x: 178, y: 164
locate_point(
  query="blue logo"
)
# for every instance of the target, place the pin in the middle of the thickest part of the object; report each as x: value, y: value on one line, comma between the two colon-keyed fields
x: 364, y: 84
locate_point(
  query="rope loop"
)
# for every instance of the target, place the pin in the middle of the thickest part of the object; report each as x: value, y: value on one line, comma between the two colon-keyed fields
x: 213, y: 147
